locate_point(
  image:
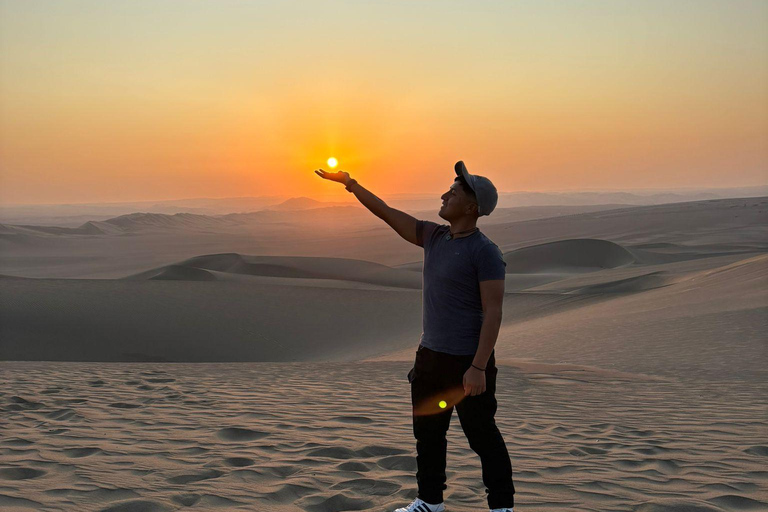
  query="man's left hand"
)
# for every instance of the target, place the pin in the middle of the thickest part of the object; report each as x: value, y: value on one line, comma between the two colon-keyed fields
x: 474, y: 382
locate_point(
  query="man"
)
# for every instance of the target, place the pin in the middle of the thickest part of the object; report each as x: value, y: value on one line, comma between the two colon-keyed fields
x: 455, y: 362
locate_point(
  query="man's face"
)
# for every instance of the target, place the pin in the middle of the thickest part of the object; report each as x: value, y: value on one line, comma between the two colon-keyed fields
x: 455, y: 202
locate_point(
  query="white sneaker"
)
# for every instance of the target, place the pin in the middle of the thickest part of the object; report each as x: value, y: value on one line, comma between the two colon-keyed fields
x: 418, y: 505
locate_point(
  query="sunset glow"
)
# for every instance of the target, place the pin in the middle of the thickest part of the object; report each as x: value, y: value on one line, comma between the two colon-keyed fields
x: 332, y: 162
x: 140, y: 100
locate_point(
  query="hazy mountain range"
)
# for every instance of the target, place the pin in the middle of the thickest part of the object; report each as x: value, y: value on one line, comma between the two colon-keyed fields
x: 74, y: 215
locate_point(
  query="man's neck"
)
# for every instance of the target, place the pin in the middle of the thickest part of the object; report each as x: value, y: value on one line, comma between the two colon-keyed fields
x: 463, y: 225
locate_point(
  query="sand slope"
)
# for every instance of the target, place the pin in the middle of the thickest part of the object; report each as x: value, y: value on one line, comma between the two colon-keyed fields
x: 632, y: 369
x: 726, y: 225
x: 342, y: 269
x: 278, y: 308
x: 199, y: 320
x: 571, y: 255
x: 330, y: 437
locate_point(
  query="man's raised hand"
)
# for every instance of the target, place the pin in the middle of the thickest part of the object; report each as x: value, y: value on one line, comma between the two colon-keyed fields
x: 341, y: 176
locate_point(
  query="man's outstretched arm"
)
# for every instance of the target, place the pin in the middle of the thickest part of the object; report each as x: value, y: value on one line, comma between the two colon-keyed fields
x: 401, y: 222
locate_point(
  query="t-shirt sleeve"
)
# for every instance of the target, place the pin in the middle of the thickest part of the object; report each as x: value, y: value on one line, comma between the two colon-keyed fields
x: 491, y: 264
x: 424, y: 230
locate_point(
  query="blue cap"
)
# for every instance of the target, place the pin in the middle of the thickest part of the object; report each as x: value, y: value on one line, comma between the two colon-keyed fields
x: 487, y: 197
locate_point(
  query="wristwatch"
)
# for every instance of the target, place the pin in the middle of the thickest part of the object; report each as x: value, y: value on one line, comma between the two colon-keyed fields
x: 350, y: 183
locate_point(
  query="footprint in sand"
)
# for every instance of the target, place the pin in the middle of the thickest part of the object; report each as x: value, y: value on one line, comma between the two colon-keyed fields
x: 186, y: 500
x: 366, y: 486
x: 674, y: 505
x: 239, y: 462
x: 359, y: 420
x: 236, y: 434
x: 63, y: 414
x: 124, y: 405
x: 735, y: 502
x: 76, y: 453
x: 398, y: 462
x: 18, y: 503
x: 353, y: 466
x: 195, y: 477
x: 592, y: 450
x: 20, y: 473
x: 380, y: 451
x: 335, y: 452
x: 289, y: 493
x: 757, y: 450
x: 137, y: 506
x: 334, y: 503
x: 282, y: 471
x: 18, y: 441
x: 20, y: 404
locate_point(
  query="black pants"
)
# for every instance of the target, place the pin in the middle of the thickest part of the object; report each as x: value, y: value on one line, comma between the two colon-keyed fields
x: 436, y: 388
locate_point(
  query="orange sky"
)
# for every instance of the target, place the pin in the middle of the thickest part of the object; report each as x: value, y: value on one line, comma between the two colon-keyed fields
x: 133, y: 100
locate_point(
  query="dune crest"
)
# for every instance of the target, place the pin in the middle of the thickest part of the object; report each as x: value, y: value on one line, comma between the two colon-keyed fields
x: 576, y: 255
x: 296, y: 267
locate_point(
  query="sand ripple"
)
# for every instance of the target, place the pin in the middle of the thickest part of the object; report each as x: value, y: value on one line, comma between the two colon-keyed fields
x: 333, y: 437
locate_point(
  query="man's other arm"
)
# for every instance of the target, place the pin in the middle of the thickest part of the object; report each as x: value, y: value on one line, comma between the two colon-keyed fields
x: 401, y: 222
x: 492, y: 297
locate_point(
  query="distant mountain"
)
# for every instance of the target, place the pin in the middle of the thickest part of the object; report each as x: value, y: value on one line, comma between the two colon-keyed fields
x: 134, y: 221
x: 303, y: 203
x: 73, y: 215
x: 144, y: 222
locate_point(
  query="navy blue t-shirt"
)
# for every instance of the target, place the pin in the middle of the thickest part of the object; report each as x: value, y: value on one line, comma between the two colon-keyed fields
x: 452, y: 308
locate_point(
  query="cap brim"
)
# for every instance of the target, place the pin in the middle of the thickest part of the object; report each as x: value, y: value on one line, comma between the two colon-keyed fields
x: 461, y: 170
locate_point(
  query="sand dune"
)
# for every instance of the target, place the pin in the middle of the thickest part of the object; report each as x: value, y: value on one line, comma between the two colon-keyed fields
x: 696, y: 229
x: 178, y: 273
x: 571, y: 255
x: 284, y: 266
x: 632, y: 369
x: 175, y: 321
x: 330, y: 437
x: 172, y: 320
x: 171, y: 313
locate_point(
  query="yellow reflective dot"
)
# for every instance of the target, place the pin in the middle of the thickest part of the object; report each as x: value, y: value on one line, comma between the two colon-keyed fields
x: 443, y: 404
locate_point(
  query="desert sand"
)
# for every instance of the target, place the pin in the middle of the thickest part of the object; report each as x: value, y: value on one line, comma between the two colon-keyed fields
x: 144, y: 371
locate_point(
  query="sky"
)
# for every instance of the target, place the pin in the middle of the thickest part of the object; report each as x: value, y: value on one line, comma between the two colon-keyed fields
x: 150, y: 100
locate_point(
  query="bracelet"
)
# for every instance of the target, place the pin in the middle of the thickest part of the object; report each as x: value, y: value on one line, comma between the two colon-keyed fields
x: 481, y: 369
x: 351, y: 182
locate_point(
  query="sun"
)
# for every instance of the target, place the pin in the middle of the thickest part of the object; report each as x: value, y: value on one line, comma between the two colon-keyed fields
x: 332, y: 162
